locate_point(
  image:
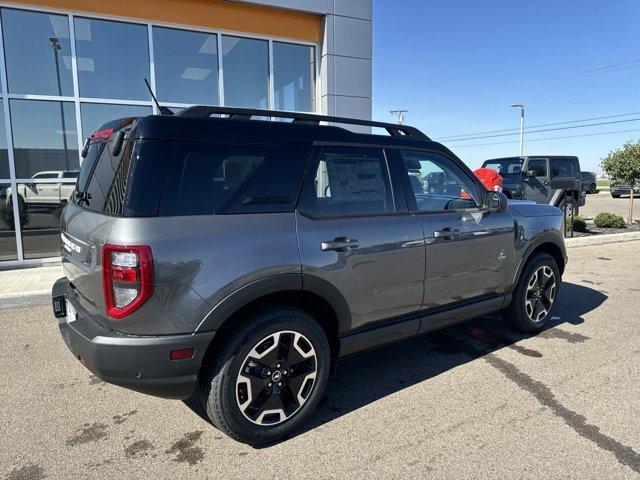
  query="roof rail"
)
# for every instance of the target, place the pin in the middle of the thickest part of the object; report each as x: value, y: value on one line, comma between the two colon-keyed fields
x: 203, y: 111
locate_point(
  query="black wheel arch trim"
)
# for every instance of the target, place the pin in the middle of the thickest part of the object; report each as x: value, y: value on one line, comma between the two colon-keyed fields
x: 550, y: 236
x: 274, y: 284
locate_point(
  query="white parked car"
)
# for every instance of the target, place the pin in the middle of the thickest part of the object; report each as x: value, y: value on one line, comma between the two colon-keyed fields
x: 46, y: 194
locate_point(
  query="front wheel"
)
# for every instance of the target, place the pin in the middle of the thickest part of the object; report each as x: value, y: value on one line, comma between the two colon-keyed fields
x: 535, y: 295
x: 270, y: 377
x: 593, y: 188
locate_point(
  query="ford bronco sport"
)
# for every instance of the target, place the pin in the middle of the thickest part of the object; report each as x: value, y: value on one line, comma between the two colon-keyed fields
x: 550, y: 179
x: 215, y: 256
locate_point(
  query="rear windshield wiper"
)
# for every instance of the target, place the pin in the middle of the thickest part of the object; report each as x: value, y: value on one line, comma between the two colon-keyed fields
x: 82, y: 196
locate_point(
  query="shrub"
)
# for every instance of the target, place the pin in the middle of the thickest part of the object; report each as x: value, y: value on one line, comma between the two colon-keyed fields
x: 609, y: 220
x: 579, y: 224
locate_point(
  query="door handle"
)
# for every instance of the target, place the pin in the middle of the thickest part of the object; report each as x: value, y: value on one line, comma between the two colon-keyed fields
x: 339, y: 244
x: 446, y: 233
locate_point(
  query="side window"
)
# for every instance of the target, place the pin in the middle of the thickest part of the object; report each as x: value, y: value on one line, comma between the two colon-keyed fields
x: 45, y: 175
x: 437, y: 183
x: 538, y: 166
x: 200, y: 177
x: 563, y: 167
x: 349, y: 181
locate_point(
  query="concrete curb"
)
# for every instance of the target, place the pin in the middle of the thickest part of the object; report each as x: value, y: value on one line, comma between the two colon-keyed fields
x: 23, y: 294
x: 601, y: 239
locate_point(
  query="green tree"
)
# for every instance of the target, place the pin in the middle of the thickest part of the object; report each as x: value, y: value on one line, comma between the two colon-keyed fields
x: 624, y: 165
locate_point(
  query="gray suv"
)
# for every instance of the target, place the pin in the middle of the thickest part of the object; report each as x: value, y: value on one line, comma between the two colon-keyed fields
x: 216, y: 256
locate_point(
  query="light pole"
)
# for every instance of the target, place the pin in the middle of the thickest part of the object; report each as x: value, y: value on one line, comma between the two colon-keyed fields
x: 55, y: 44
x: 521, y: 107
x: 400, y: 113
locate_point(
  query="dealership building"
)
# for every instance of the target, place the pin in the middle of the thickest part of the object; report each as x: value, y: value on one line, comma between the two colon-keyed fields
x: 68, y: 66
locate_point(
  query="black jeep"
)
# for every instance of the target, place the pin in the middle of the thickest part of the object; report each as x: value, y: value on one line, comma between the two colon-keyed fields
x: 554, y: 180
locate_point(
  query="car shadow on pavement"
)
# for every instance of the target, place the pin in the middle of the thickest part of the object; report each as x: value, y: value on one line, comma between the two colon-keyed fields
x: 370, y: 376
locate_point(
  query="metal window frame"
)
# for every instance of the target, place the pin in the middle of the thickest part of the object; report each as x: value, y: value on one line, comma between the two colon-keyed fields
x: 77, y: 100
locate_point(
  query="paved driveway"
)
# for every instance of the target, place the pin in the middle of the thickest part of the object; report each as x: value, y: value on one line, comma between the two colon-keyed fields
x: 604, y: 202
x: 474, y: 401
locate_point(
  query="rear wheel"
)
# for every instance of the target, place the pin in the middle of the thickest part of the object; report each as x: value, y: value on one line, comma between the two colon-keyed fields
x: 269, y: 378
x: 535, y: 295
x: 593, y: 188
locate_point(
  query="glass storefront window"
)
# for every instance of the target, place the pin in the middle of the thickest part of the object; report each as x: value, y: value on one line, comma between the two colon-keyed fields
x: 245, y: 63
x: 186, y: 66
x: 94, y: 115
x: 113, y: 59
x: 41, y: 205
x: 8, y: 250
x: 4, y: 157
x: 44, y: 137
x: 293, y: 77
x: 38, y: 52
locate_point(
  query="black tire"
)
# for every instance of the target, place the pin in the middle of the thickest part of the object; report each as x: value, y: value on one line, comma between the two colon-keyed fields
x: 615, y: 195
x: 572, y: 202
x: 593, y: 188
x: 223, y: 386
x: 517, y: 314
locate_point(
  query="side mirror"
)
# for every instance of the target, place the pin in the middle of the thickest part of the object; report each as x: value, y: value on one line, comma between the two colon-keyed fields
x: 496, y: 202
x: 530, y: 173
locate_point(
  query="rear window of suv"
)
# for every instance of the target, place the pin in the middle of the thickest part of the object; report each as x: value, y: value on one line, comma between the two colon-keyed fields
x: 102, y: 180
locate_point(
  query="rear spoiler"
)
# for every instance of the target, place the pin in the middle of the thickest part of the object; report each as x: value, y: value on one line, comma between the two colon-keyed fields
x: 105, y: 132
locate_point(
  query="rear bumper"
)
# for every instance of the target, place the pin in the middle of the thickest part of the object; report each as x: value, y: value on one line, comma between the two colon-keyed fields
x: 140, y: 363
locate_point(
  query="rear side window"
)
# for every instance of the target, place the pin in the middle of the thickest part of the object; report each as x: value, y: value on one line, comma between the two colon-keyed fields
x: 207, y: 178
x: 201, y: 176
x: 564, y: 167
x: 345, y: 181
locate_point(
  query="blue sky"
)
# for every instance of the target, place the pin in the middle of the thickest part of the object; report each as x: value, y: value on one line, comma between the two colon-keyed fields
x: 457, y: 65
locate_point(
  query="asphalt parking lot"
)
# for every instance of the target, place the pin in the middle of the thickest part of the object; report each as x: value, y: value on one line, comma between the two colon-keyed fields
x: 604, y: 202
x: 473, y: 401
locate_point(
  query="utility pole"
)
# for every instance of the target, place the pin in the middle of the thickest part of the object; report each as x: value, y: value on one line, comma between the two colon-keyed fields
x: 521, y: 107
x: 400, y: 114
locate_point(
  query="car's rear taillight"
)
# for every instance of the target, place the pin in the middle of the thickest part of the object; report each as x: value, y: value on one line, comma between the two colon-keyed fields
x: 127, y: 278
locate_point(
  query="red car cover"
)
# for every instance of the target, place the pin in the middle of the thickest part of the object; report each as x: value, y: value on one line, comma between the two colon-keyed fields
x: 491, y: 179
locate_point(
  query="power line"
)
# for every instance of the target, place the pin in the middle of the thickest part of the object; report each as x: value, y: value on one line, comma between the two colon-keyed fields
x: 586, y: 73
x: 548, y: 138
x: 548, y: 129
x: 571, y: 76
x: 451, y: 137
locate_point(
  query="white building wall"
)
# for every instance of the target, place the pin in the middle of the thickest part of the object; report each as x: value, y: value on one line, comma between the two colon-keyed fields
x: 346, y: 54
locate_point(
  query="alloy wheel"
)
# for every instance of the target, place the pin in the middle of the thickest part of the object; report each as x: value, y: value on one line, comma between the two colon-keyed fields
x: 276, y: 378
x: 540, y: 294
